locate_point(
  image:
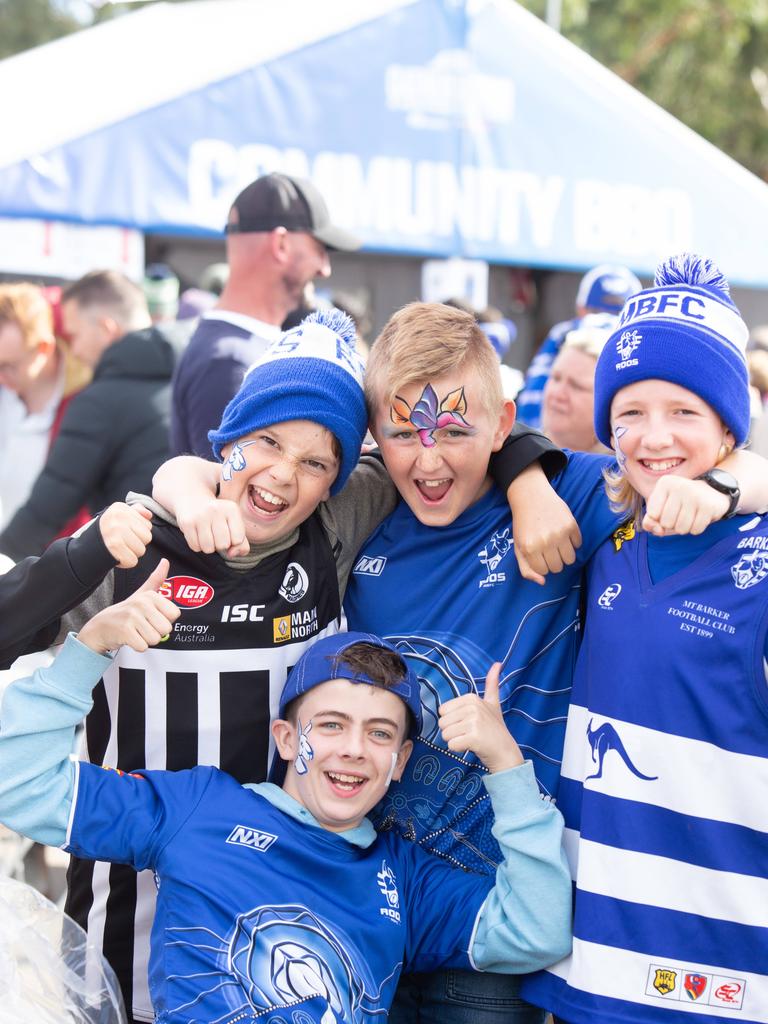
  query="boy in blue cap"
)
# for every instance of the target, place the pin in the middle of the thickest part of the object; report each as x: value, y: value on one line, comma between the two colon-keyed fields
x: 308, y: 911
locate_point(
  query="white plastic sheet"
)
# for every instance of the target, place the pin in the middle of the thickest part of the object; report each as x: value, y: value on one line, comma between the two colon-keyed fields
x: 49, y: 974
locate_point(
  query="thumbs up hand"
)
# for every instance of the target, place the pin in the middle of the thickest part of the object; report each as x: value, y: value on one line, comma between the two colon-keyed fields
x: 475, y: 723
x: 141, y: 621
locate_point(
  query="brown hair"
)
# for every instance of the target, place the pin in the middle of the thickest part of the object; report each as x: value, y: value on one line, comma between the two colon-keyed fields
x: 111, y: 291
x: 26, y: 306
x: 424, y: 340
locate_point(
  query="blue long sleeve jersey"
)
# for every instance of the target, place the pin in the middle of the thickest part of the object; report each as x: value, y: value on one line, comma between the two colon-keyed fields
x: 259, y: 908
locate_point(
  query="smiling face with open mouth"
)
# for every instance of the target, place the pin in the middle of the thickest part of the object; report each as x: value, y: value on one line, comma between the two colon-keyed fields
x: 278, y: 475
x: 436, y: 438
x: 661, y: 428
x: 344, y: 743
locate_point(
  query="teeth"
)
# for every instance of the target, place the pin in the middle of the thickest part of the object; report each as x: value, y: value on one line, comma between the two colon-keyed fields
x: 271, y: 499
x: 662, y: 465
x: 434, y: 483
x: 349, y: 779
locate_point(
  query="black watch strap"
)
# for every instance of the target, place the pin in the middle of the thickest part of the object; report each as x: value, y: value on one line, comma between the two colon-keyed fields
x: 726, y: 484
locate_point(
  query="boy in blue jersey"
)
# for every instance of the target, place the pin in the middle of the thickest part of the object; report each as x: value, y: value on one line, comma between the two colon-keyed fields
x: 283, y: 903
x: 665, y: 765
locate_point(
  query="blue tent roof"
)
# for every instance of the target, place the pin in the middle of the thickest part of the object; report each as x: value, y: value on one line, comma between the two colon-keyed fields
x: 441, y: 127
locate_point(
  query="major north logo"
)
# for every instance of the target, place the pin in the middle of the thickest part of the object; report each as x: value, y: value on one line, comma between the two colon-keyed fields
x: 370, y: 565
x: 497, y: 548
x: 242, y: 835
x: 296, y: 626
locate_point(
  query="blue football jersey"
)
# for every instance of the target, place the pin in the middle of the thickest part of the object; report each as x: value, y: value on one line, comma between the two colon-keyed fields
x: 263, y: 917
x: 453, y: 601
x: 663, y: 786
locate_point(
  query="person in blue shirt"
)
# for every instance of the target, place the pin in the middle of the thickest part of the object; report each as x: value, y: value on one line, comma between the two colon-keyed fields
x: 603, y: 289
x: 666, y: 750
x: 281, y: 903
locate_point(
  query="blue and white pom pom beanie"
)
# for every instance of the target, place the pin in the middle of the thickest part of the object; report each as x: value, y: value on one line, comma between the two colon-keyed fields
x: 686, y: 330
x: 311, y: 373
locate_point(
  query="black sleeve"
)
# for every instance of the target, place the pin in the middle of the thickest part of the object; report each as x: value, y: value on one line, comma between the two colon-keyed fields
x: 523, y: 446
x: 35, y: 593
x: 69, y: 477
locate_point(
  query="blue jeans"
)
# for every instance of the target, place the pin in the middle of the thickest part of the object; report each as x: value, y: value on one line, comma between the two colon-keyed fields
x: 461, y: 997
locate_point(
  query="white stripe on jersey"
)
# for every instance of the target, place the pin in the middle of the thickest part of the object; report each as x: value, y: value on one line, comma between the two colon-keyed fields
x: 155, y: 704
x: 146, y: 896
x: 620, y: 974
x: 96, y: 920
x: 694, y: 777
x: 654, y: 881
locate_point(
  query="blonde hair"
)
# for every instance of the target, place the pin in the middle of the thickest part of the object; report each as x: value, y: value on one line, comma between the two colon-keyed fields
x: 591, y: 334
x: 423, y: 341
x: 26, y: 306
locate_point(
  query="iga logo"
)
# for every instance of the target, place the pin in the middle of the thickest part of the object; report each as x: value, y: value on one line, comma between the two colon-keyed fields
x: 295, y: 583
x: 187, y: 591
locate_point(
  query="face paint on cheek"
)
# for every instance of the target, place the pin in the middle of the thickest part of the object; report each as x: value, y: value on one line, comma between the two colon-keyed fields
x: 392, y: 768
x: 305, y: 753
x: 235, y: 463
x: 429, y: 414
x: 621, y: 458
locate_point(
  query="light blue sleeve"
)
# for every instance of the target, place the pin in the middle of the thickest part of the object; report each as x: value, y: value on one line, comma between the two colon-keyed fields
x: 525, y: 922
x: 38, y: 717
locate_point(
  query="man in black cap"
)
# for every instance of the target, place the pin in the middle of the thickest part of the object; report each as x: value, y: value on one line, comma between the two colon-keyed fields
x: 278, y: 238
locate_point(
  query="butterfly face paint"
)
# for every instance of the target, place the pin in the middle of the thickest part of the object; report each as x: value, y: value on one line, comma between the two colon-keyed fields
x: 430, y: 414
x: 305, y: 753
x: 235, y: 463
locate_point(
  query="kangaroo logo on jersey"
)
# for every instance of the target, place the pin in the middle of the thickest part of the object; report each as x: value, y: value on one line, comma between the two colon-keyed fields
x: 604, y: 739
x: 295, y: 583
x: 370, y: 565
x: 491, y: 555
x: 186, y: 591
x: 694, y: 985
x: 665, y: 980
x: 625, y: 346
x: 750, y: 569
x: 609, y: 595
x: 388, y: 885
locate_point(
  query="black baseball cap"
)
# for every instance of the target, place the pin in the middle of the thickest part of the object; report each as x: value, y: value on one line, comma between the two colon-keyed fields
x: 282, y: 201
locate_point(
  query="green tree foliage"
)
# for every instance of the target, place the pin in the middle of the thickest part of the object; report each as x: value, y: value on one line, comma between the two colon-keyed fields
x: 28, y: 23
x: 705, y: 61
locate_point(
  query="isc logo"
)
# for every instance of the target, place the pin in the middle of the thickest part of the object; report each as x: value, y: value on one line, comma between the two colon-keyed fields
x: 242, y: 613
x: 241, y: 835
x: 371, y: 565
x: 187, y: 591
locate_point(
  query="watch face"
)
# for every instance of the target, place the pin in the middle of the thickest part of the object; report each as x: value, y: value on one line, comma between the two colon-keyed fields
x: 722, y: 480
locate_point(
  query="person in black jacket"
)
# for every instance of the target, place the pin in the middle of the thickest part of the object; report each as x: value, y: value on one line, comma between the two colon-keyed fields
x: 114, y: 434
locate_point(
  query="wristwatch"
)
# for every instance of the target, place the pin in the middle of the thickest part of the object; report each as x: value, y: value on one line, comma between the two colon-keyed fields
x: 725, y: 484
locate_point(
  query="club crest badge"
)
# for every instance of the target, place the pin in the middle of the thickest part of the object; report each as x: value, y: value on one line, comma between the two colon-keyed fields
x: 694, y: 985
x: 750, y: 569
x: 665, y: 980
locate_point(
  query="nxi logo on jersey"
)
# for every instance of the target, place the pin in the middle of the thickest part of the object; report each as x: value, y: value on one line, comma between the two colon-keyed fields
x: 370, y: 565
x: 241, y: 835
